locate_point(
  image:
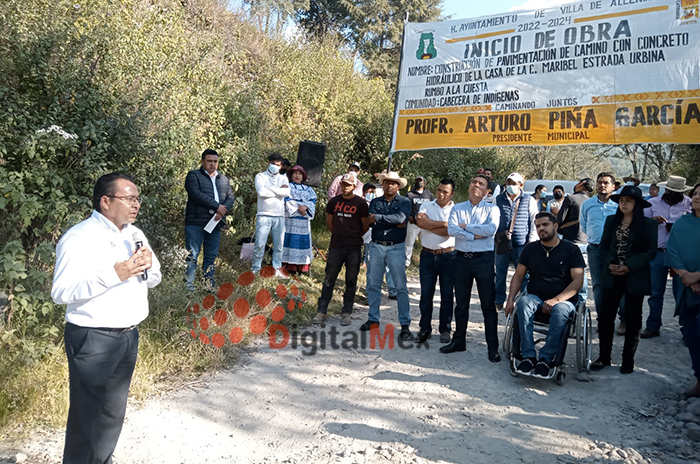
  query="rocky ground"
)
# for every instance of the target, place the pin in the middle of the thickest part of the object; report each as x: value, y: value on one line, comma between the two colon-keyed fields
x: 354, y: 404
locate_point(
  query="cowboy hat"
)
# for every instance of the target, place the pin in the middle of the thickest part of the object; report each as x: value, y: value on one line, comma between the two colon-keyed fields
x: 631, y: 191
x: 675, y: 184
x: 393, y: 176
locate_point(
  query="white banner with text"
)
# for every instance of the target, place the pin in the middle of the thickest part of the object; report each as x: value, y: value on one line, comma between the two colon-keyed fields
x: 601, y: 71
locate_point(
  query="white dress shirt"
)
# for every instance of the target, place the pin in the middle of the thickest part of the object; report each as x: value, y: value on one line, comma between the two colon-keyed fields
x: 481, y: 219
x: 434, y: 212
x: 87, y: 283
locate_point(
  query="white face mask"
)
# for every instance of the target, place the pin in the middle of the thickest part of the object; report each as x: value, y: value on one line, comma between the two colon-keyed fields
x: 273, y: 169
x: 513, y: 189
x: 370, y: 196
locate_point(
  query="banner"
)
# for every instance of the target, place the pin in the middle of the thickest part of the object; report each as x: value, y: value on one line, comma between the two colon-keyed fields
x: 603, y: 71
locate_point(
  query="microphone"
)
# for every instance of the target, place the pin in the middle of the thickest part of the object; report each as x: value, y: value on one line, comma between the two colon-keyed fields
x: 138, y: 242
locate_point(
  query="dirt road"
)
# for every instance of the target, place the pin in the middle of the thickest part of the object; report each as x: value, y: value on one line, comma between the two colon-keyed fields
x: 355, y: 404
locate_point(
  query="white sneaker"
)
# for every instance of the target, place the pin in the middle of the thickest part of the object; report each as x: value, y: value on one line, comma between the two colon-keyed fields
x: 281, y: 273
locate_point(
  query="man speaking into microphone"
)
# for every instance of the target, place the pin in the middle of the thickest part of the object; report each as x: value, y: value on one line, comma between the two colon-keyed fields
x: 104, y: 268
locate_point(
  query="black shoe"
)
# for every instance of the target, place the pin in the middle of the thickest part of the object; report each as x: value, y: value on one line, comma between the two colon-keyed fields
x: 627, y: 366
x: 393, y: 297
x: 424, y: 336
x: 526, y: 365
x: 542, y: 369
x: 452, y: 347
x: 368, y: 325
x: 405, y: 334
x: 599, y: 364
x: 646, y: 333
x: 494, y: 357
x: 445, y: 337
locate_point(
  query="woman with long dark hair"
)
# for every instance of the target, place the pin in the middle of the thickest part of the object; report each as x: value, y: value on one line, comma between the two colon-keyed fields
x: 683, y: 256
x: 626, y: 248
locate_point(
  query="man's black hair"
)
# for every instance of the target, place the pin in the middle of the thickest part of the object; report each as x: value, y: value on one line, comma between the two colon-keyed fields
x: 548, y: 215
x: 275, y: 157
x: 560, y: 187
x: 368, y: 186
x: 107, y: 186
x: 286, y: 162
x: 209, y: 151
x: 483, y: 177
x: 605, y: 174
x: 447, y: 181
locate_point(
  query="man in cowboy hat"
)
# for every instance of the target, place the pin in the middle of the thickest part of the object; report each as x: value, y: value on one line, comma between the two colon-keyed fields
x: 335, y: 188
x: 388, y: 216
x: 665, y: 210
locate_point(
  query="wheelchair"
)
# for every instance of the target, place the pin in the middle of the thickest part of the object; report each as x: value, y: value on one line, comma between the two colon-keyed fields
x: 578, y: 327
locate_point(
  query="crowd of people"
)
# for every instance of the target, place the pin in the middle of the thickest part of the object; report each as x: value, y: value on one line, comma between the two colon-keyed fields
x: 632, y: 245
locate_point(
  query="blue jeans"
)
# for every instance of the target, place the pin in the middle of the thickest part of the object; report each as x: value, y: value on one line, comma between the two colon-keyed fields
x: 527, y: 306
x: 502, y: 263
x: 264, y: 225
x: 595, y: 266
x: 659, y: 274
x: 690, y: 328
x: 431, y: 268
x: 394, y: 258
x: 337, y: 257
x: 194, y: 237
x: 470, y: 267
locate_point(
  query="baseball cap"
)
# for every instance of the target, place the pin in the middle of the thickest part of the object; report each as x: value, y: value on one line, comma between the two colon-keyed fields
x: 515, y: 177
x: 349, y: 179
x: 588, y: 183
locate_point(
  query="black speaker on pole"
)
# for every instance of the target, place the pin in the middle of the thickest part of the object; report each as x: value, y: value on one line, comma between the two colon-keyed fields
x: 311, y: 157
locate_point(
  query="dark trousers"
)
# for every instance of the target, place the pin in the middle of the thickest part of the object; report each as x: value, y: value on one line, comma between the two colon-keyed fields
x: 606, y: 319
x: 100, y: 365
x: 479, y: 268
x: 690, y: 328
x: 431, y: 268
x: 351, y: 257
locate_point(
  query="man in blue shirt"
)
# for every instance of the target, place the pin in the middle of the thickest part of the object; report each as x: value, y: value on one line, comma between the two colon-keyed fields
x: 473, y: 223
x: 592, y: 217
x: 388, y: 216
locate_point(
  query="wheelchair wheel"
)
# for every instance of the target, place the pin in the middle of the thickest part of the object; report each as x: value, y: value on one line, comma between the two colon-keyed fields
x: 508, y: 336
x: 508, y: 343
x: 584, y: 345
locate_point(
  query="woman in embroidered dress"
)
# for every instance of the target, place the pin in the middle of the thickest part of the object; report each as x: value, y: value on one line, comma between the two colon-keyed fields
x: 300, y: 207
x: 683, y: 256
x: 627, y: 246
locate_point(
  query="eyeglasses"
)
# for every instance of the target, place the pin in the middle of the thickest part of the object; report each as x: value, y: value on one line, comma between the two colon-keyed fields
x: 130, y: 200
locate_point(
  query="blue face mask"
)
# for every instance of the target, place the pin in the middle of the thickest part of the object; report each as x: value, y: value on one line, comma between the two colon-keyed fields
x: 273, y: 169
x: 513, y: 189
x: 543, y: 194
x: 370, y: 196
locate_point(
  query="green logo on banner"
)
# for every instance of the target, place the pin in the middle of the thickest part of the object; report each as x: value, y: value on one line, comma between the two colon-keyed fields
x: 426, y: 47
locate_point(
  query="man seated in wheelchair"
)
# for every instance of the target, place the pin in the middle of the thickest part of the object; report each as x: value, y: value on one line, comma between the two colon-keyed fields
x: 556, y: 269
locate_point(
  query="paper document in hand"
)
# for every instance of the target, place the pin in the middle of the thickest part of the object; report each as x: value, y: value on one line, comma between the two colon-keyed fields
x: 209, y: 228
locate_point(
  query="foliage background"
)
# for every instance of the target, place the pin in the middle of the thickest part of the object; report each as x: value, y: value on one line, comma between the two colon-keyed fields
x: 144, y: 86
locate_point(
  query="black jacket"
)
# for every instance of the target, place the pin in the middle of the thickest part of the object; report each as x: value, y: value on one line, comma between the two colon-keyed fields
x: 638, y: 260
x: 201, y: 205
